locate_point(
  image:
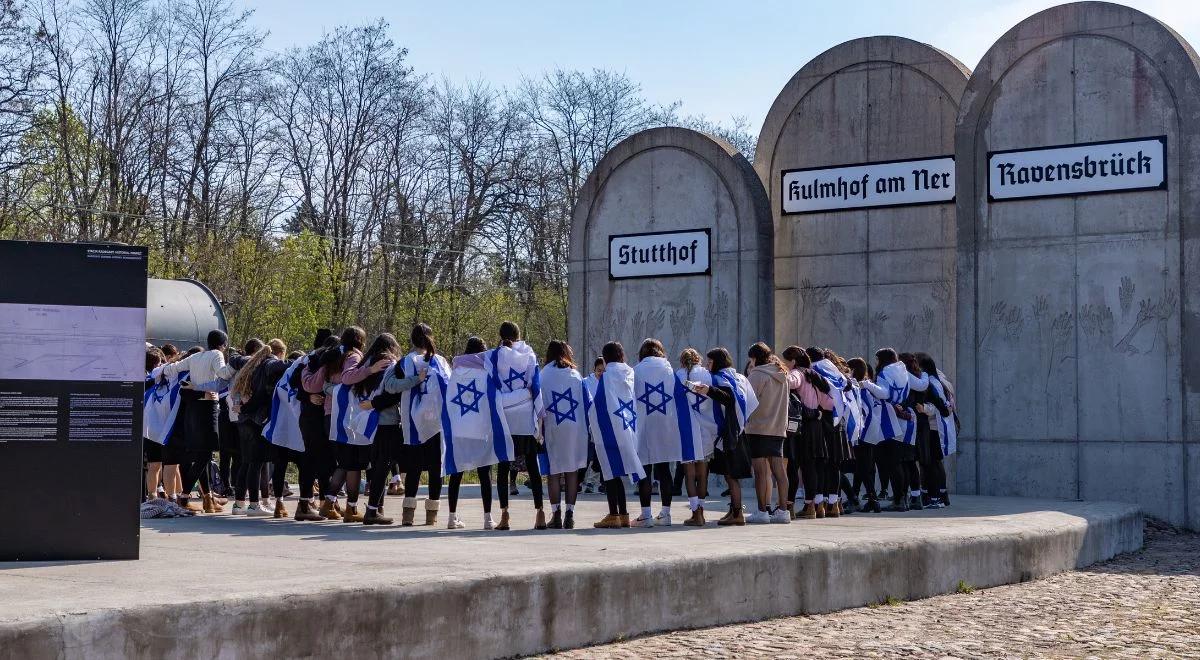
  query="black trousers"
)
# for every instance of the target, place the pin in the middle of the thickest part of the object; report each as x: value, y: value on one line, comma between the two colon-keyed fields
x: 385, y: 450
x: 614, y: 490
x: 280, y: 458
x: 933, y: 470
x: 485, y: 488
x: 899, y: 462
x: 425, y: 457
x: 660, y: 472
x: 193, y: 469
x: 318, y: 463
x: 247, y: 482
x: 527, y: 446
x: 864, y: 473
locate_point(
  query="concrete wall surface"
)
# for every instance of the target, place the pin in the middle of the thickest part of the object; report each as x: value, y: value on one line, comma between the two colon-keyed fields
x: 666, y: 179
x: 1077, y: 315
x: 857, y: 280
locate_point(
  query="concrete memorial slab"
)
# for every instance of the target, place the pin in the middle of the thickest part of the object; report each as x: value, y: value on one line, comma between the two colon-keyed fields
x: 857, y: 156
x: 1078, y: 143
x: 671, y: 238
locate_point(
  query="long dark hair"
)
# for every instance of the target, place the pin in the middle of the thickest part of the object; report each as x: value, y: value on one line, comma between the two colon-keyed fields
x: 925, y: 361
x: 797, y: 355
x: 314, y: 361
x: 559, y: 354
x: 613, y: 351
x: 720, y: 357
x: 884, y: 357
x: 385, y: 347
x: 422, y: 338
x: 510, y: 333
x: 353, y: 339
x: 651, y: 348
x: 762, y: 354
x: 858, y: 368
x: 475, y: 345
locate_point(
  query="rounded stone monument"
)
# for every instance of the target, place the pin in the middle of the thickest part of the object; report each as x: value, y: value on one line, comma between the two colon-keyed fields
x: 857, y: 156
x: 671, y: 238
x: 1078, y: 216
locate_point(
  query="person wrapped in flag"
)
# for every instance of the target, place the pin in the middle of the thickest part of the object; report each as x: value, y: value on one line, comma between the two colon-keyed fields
x: 734, y: 401
x: 667, y: 432
x: 896, y: 423
x: 421, y: 424
x: 475, y: 433
x: 696, y: 471
x: 514, y: 365
x: 613, y: 422
x: 937, y: 439
x: 565, y: 402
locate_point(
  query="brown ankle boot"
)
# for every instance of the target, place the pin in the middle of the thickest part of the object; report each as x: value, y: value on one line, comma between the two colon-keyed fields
x: 329, y: 511
x: 376, y: 517
x: 431, y: 511
x: 409, y: 512
x: 608, y: 522
x: 304, y: 512
x: 735, y: 518
x: 820, y: 510
x: 351, y: 514
x: 624, y: 520
x: 809, y: 512
x: 504, y: 522
x: 208, y: 505
x: 540, y: 523
x: 280, y: 510
x: 833, y: 509
x: 697, y: 519
x: 186, y: 503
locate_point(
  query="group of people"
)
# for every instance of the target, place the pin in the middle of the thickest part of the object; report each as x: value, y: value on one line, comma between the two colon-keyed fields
x: 820, y: 436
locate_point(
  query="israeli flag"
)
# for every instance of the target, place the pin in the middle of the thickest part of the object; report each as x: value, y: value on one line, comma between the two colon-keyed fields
x: 421, y: 406
x: 341, y: 401
x: 872, y: 411
x: 945, y: 425
x: 667, y: 431
x: 283, y: 426
x: 743, y: 394
x: 161, y: 409
x: 855, y: 426
x: 613, y: 422
x: 702, y: 408
x: 565, y: 403
x: 516, y: 372
x: 892, y: 388
x: 474, y: 431
x: 837, y: 386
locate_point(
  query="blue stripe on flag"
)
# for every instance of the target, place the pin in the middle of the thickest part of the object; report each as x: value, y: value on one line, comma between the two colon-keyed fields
x: 616, y: 466
x: 498, y: 443
x: 683, y: 412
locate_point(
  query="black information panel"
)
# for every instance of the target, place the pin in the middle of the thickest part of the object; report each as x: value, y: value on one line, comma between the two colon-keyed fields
x: 72, y: 374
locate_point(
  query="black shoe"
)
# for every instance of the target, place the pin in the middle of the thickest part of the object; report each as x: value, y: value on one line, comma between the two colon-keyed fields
x: 600, y: 489
x: 555, y: 521
x: 897, y: 507
x: 914, y: 503
x: 568, y: 520
x: 883, y: 494
x: 376, y: 517
x: 945, y: 497
x: 873, y: 506
x: 925, y: 499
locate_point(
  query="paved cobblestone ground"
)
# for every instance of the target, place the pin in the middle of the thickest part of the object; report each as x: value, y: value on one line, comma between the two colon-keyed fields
x: 1140, y: 605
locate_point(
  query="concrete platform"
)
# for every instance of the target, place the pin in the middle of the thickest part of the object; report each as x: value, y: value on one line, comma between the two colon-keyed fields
x: 225, y: 587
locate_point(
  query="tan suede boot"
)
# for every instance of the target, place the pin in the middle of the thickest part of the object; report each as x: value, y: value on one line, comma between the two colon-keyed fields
x: 624, y: 520
x: 608, y: 522
x: 409, y: 512
x: 209, y: 505
x: 820, y: 507
x: 833, y: 509
x: 329, y: 511
x: 280, y: 510
x: 351, y: 515
x: 697, y: 519
x: 809, y: 512
x: 304, y: 512
x: 431, y: 511
x: 504, y: 521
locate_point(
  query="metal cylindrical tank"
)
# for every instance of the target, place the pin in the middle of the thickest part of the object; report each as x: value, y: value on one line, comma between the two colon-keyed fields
x: 181, y: 312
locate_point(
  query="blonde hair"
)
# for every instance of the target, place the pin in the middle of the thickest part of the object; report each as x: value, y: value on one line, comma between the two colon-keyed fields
x: 689, y: 359
x: 241, y: 382
x: 278, y: 347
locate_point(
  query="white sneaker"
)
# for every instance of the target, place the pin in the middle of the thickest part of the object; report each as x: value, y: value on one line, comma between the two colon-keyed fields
x: 488, y: 523
x: 642, y: 522
x: 256, y: 511
x: 781, y: 515
x: 758, y: 518
x: 663, y: 518
x: 455, y: 522
x: 239, y: 509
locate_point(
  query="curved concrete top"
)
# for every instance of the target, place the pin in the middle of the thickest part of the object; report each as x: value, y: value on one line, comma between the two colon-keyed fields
x: 940, y: 67
x: 665, y: 179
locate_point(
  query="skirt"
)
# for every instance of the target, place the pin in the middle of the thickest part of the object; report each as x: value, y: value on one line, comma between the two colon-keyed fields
x: 764, y: 446
x: 425, y: 457
x: 352, y: 457
x: 732, y: 463
x: 200, y: 425
x: 152, y: 451
x: 929, y: 447
x: 837, y: 446
x: 808, y: 444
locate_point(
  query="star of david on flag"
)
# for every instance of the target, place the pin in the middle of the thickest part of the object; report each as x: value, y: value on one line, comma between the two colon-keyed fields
x: 561, y: 416
x: 463, y: 404
x: 663, y: 398
x: 513, y: 375
x: 626, y: 413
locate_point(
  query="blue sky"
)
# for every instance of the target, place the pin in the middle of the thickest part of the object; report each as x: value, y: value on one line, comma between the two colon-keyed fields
x: 720, y: 59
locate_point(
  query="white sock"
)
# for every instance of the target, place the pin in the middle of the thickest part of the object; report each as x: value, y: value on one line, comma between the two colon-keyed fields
x: 571, y: 508
x: 554, y: 508
x: 665, y: 509
x: 819, y: 499
x: 693, y: 503
x: 371, y: 508
x: 914, y: 493
x: 332, y: 498
x: 646, y: 513
x: 799, y: 493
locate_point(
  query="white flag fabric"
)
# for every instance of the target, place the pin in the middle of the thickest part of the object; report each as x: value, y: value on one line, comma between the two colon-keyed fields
x: 613, y: 422
x: 283, y: 425
x: 565, y: 402
x: 516, y: 372
x: 341, y: 402
x: 667, y: 431
x: 421, y: 406
x: 474, y: 431
x: 743, y: 394
x: 855, y: 416
x: 362, y: 424
x: 872, y: 412
x: 160, y: 409
x: 891, y: 386
x: 945, y: 425
x: 837, y: 385
x: 702, y: 408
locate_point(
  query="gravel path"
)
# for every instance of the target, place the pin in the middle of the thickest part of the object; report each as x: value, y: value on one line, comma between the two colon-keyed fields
x: 1140, y: 605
